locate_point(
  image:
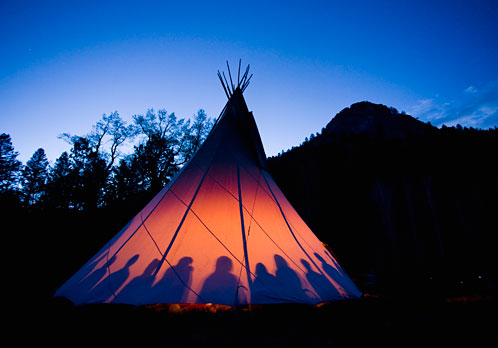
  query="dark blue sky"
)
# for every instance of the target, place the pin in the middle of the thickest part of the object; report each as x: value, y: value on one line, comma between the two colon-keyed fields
x: 65, y: 63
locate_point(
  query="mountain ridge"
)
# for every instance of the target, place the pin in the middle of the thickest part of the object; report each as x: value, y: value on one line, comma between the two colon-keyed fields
x: 395, y: 196
x: 376, y: 120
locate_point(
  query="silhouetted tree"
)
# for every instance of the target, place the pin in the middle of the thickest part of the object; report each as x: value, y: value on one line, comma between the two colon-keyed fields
x: 92, y: 159
x: 126, y: 181
x: 34, y: 177
x: 89, y: 170
x: 197, y: 134
x: 111, y: 130
x: 60, y: 183
x: 154, y: 161
x: 167, y: 143
x: 9, y: 165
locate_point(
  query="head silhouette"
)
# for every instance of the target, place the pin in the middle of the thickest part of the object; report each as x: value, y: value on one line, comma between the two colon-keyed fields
x: 132, y: 261
x: 319, y: 258
x: 151, y: 267
x: 306, y: 264
x: 223, y: 265
x: 280, y: 261
x: 185, y: 261
x: 261, y: 269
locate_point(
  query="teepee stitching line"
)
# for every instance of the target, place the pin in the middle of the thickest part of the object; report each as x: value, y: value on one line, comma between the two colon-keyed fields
x: 259, y: 173
x: 180, y: 278
x: 248, y: 229
x: 244, y: 238
x: 207, y: 228
x: 231, y: 194
x: 299, y: 234
x: 153, y: 240
x: 143, y: 220
x: 253, y: 205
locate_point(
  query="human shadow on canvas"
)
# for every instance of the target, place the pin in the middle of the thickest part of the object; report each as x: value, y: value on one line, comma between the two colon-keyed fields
x: 264, y: 287
x: 174, y: 285
x: 220, y: 287
x: 288, y: 281
x: 331, y: 270
x: 137, y: 288
x: 109, y: 285
x: 92, y: 279
x: 322, y: 287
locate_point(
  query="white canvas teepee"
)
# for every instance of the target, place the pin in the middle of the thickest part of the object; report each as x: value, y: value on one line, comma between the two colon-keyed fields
x: 220, y: 232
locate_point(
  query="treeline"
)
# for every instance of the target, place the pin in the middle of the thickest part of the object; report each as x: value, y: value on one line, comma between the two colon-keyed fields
x: 95, y: 173
x: 397, y: 198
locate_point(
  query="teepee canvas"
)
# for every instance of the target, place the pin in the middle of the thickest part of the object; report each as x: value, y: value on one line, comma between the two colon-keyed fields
x: 220, y: 232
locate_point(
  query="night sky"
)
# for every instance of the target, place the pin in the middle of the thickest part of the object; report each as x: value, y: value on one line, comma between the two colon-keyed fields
x: 65, y: 63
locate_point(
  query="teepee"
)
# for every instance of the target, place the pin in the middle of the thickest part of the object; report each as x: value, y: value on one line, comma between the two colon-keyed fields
x: 220, y: 232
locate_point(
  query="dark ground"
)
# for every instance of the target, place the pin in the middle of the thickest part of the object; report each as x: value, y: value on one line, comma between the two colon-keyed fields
x: 392, y: 318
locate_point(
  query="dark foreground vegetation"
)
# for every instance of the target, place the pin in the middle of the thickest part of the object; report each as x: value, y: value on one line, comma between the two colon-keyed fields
x: 408, y: 209
x: 384, y: 322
